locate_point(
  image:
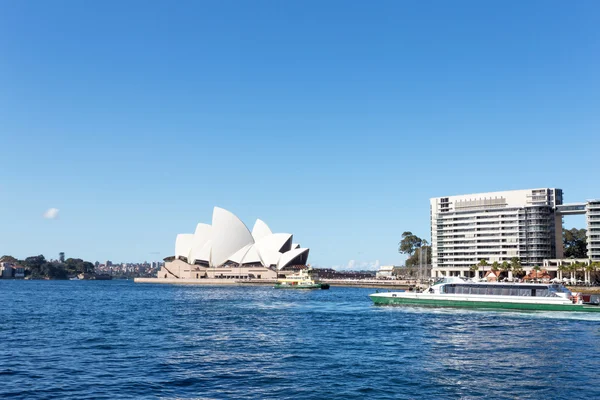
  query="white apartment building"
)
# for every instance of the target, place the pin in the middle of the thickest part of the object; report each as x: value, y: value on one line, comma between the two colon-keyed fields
x: 495, y: 226
x: 593, y: 229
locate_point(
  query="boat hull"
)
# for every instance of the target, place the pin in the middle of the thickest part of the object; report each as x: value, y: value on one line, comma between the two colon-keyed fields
x: 400, y: 301
x: 315, y: 286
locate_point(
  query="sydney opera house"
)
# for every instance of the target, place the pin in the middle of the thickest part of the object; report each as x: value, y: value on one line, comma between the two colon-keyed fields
x: 226, y: 249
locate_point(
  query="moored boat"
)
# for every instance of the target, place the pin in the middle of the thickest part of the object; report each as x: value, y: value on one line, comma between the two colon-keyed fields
x: 303, y: 279
x: 457, y: 292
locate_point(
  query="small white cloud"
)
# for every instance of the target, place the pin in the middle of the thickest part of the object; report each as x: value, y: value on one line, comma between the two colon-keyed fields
x: 51, y: 213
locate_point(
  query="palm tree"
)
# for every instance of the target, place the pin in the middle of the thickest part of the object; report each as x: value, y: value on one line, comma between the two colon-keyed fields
x: 573, y: 270
x: 515, y: 264
x: 482, y: 263
x: 563, y: 269
x: 592, y: 268
x: 495, y: 268
x: 505, y: 267
x: 474, y: 268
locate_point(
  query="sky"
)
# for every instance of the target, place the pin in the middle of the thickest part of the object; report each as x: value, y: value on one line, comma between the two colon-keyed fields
x: 123, y: 123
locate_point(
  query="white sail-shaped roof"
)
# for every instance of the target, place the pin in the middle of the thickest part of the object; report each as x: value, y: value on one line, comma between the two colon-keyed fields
x: 201, y: 237
x: 289, y: 256
x: 228, y: 239
x: 201, y: 254
x: 183, y: 244
x: 229, y: 234
x: 270, y: 247
x: 260, y: 230
x: 252, y: 256
x: 239, y: 255
x: 203, y: 232
x: 279, y: 242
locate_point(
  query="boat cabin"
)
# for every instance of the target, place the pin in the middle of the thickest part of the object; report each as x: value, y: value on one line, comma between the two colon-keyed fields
x: 501, y: 289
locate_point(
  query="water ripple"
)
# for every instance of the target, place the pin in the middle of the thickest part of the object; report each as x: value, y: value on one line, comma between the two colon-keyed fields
x: 117, y: 340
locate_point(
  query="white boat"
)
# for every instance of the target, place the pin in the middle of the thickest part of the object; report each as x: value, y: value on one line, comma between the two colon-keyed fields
x: 458, y: 292
x: 303, y: 279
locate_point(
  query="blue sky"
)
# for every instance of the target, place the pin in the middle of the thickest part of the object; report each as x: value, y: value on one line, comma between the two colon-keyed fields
x: 332, y: 120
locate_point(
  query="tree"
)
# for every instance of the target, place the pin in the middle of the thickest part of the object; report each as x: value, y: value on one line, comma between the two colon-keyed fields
x: 414, y: 260
x: 575, y: 243
x: 34, y: 264
x: 9, y: 259
x: 593, y: 268
x: 474, y: 269
x: 505, y: 267
x: 482, y: 263
x: 563, y: 269
x: 515, y: 264
x: 409, y: 243
x: 573, y: 268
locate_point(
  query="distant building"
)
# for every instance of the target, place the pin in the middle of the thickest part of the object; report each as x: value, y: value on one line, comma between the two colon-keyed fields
x: 9, y: 271
x: 61, y: 257
x: 385, y: 272
x: 6, y: 270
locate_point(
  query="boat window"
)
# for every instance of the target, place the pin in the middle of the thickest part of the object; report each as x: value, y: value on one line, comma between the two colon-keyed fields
x: 514, y: 291
x: 505, y: 291
x: 524, y: 292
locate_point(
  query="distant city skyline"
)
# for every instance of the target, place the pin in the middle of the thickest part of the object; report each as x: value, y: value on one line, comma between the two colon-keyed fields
x: 123, y: 123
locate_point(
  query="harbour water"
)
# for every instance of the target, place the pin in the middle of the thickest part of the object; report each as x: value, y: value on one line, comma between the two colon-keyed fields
x: 116, y: 339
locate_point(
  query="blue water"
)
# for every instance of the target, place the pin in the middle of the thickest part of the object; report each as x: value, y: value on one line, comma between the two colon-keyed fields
x: 116, y: 339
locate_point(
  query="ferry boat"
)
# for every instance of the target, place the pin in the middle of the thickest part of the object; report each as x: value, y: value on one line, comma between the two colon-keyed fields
x: 457, y: 292
x: 303, y: 279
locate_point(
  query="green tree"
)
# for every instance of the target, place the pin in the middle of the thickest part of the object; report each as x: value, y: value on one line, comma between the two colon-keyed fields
x: 482, y: 263
x: 573, y: 268
x: 505, y: 267
x: 414, y: 260
x: 515, y: 264
x: 34, y: 264
x: 409, y: 243
x: 9, y: 259
x: 593, y: 268
x: 575, y: 243
x: 475, y: 270
x: 563, y: 269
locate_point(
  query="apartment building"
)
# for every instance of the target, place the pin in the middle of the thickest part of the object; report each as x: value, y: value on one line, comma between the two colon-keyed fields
x: 495, y: 226
x: 593, y: 229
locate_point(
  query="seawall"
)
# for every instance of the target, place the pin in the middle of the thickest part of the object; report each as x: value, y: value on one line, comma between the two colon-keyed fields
x: 271, y: 282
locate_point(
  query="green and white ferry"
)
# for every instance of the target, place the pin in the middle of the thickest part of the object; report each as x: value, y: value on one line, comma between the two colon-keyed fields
x: 303, y: 279
x: 457, y: 292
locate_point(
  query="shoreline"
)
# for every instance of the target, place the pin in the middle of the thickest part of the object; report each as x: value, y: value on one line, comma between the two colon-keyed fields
x: 270, y: 282
x: 399, y: 285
